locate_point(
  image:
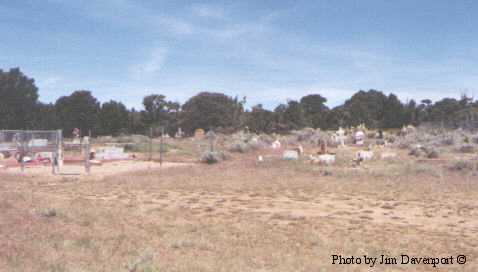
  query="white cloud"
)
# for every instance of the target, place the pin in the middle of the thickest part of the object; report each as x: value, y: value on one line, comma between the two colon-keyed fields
x: 174, y: 25
x: 151, y: 66
x: 49, y: 82
x: 208, y: 11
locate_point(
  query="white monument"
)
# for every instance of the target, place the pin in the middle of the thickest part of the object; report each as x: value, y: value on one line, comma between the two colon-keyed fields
x: 359, y: 137
x: 341, y: 137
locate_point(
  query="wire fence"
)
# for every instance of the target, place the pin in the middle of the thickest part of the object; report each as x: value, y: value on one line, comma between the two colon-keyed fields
x: 39, y: 145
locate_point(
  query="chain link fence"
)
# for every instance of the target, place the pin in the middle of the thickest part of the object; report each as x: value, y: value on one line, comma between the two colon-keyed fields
x: 32, y: 145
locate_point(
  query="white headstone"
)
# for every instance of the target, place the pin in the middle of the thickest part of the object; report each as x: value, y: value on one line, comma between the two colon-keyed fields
x: 290, y: 155
x: 276, y: 144
x: 359, y: 137
x: 341, y: 136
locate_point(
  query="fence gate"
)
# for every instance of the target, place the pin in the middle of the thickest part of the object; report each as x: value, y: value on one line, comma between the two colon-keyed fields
x: 42, y: 145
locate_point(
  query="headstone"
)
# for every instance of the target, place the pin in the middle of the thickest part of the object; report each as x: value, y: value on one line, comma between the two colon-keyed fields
x: 199, y: 133
x: 211, y: 136
x: 38, y: 143
x: 365, y: 155
x: 300, y: 149
x: 179, y: 133
x: 359, y: 137
x: 276, y: 144
x: 5, y: 147
x: 341, y: 136
x: 323, y: 147
x: 290, y: 155
x: 111, y: 153
x: 26, y: 159
x: 326, y: 159
x: 76, y: 132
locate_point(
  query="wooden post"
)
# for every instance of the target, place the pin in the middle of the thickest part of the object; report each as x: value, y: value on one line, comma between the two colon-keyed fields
x: 54, y: 163
x: 161, y: 147
x: 87, y: 154
x: 151, y: 143
x: 23, y: 151
x: 211, y: 137
x: 54, y: 156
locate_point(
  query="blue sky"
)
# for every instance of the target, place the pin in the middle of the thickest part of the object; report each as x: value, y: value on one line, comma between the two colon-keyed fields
x: 268, y: 51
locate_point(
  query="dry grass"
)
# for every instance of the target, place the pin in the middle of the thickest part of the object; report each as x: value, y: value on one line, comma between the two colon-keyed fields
x: 240, y: 216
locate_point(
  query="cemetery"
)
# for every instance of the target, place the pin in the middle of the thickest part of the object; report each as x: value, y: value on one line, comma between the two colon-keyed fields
x: 302, y: 185
x: 238, y: 136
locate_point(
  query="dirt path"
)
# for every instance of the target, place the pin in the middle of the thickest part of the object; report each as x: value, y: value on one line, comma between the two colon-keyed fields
x: 97, y: 171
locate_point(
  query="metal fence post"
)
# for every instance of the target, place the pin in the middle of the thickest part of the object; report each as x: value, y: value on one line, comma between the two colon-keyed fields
x: 59, y: 150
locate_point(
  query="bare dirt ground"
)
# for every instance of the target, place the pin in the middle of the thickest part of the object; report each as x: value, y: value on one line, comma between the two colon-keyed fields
x: 106, y: 169
x: 240, y: 215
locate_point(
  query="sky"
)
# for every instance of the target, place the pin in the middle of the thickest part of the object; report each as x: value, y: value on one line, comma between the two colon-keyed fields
x: 268, y: 51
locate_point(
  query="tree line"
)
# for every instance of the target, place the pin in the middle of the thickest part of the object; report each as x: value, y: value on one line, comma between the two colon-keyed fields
x: 20, y: 108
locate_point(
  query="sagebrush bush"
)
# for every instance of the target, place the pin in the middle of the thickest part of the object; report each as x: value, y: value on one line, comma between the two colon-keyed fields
x: 467, y: 149
x: 49, y: 212
x: 429, y: 152
x: 240, y: 147
x: 212, y: 157
x: 463, y: 166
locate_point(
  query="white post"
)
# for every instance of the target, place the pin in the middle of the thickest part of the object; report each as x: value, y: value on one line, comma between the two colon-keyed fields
x: 59, y: 151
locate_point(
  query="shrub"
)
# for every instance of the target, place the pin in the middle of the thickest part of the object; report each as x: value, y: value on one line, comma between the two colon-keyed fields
x: 49, y: 212
x: 266, y: 139
x: 467, y: 149
x: 424, y: 151
x: 462, y: 166
x: 416, y: 151
x: 390, y: 138
x: 240, y: 147
x: 212, y: 157
x: 448, y: 140
x: 431, y: 153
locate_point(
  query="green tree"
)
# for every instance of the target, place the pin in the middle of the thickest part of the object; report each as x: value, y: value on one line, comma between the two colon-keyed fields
x: 160, y: 112
x: 45, y: 117
x: 260, y: 120
x: 423, y: 110
x: 290, y: 116
x: 443, y: 111
x: 294, y: 115
x: 467, y: 118
x: 211, y: 110
x: 338, y: 117
x: 113, y: 118
x: 18, y: 100
x: 315, y: 110
x: 393, y: 113
x: 135, y: 122
x: 79, y: 110
x: 366, y: 107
